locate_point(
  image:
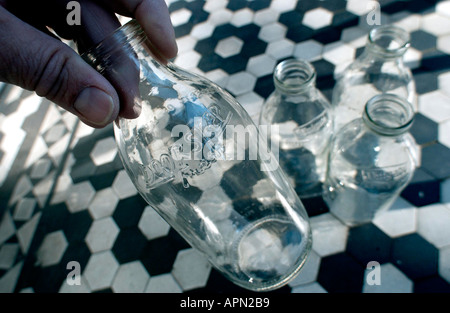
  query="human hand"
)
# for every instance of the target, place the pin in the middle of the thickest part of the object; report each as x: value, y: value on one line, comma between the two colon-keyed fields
x: 32, y: 58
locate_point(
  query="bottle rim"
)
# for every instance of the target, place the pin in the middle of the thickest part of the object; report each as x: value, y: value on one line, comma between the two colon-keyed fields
x: 123, y: 39
x: 400, y: 112
x: 398, y: 35
x: 294, y: 76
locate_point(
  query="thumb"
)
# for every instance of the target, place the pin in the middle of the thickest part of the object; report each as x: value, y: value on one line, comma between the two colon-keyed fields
x: 35, y: 61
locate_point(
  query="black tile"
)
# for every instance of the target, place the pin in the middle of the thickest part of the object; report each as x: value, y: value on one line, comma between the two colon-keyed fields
x: 315, y: 206
x: 424, y: 130
x: 183, y: 30
x: 264, y: 86
x: 415, y: 256
x: 299, y: 33
x: 253, y: 47
x: 368, y: 243
x: 422, y: 190
x: 291, y: 19
x: 206, y: 46
x: 103, y: 180
x: 82, y: 169
x: 129, y: 211
x: 248, y: 32
x: 335, y: 5
x: 236, y: 5
x: 435, y: 61
x: 224, y: 31
x: 436, y: 160
x: 434, y: 284
x: 426, y: 81
x: 209, y: 62
x: 344, y: 20
x: 422, y: 40
x: 234, y: 64
x: 327, y: 35
x: 77, y: 225
x: 129, y: 245
x: 238, y: 185
x: 258, y: 5
x: 341, y: 273
x: 307, y: 5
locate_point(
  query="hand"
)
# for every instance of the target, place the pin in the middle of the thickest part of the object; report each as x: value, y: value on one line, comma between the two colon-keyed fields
x: 33, y: 58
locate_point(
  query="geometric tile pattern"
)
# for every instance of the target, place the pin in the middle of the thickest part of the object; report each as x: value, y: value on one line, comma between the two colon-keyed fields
x: 64, y: 195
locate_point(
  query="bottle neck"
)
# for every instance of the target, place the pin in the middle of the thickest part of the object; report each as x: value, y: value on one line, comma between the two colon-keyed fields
x: 294, y: 77
x: 387, y: 43
x: 388, y: 115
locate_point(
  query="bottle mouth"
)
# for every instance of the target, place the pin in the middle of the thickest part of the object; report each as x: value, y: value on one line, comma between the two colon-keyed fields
x: 119, y: 43
x: 294, y: 75
x: 388, y: 114
x: 389, y: 41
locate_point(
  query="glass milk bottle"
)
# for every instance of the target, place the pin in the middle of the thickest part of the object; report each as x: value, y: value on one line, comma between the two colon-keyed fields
x: 371, y: 160
x: 305, y: 123
x: 196, y: 157
x: 379, y: 69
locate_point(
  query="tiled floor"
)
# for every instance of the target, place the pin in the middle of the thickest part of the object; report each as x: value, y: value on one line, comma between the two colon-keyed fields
x: 64, y: 195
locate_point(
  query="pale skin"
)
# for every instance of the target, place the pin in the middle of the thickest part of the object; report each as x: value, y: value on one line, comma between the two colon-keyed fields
x: 33, y: 58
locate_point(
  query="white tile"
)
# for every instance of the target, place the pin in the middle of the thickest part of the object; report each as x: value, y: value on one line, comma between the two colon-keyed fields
x: 282, y: 6
x: 443, y: 8
x: 261, y: 65
x: 187, y: 60
x: 444, y: 263
x: 309, y: 288
x: 444, y: 136
x: 55, y: 133
x: 202, y: 30
x: 164, y: 283
x: 212, y: 6
x: 434, y: 224
x: 130, y: 278
x: 309, y: 50
x: 191, y: 269
x: 102, y: 234
x: 338, y: 53
x: 220, y: 17
x: 266, y: 16
x: 100, y: 270
x: 83, y: 287
x: 186, y: 43
x: 22, y: 187
x: 359, y: 7
x: 309, y: 271
x: 241, y: 83
x: 317, y: 18
x: 218, y: 76
x: 280, y: 49
x: 7, y: 228
x: 272, y: 32
x: 392, y: 280
x: 354, y: 36
x: 123, y: 186
x: 103, y: 204
x: 443, y: 44
x: 407, y: 21
x: 24, y: 209
x: 329, y: 234
x: 436, y: 24
x: 412, y: 58
x: 435, y: 105
x: 9, y: 280
x: 242, y: 17
x: 40, y: 168
x: 80, y: 196
x: 152, y: 225
x: 26, y: 232
x: 252, y: 103
x: 229, y: 46
x: 104, y: 151
x: 180, y: 17
x: 42, y: 189
x: 52, y: 249
x: 444, y: 83
x: 399, y: 220
x: 8, y: 254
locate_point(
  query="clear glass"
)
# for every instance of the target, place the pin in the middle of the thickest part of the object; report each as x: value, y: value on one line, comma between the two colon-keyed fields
x: 192, y: 157
x: 371, y: 160
x: 305, y: 124
x: 379, y: 69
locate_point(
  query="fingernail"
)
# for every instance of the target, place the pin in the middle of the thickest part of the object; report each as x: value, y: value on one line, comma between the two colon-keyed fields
x: 95, y: 106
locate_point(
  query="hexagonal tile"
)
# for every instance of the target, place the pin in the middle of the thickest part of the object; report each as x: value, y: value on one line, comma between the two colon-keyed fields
x: 444, y: 263
x: 242, y: 17
x: 283, y: 5
x: 191, y: 269
x: 359, y: 7
x: 280, y: 49
x: 104, y: 151
x: 272, y: 32
x: 435, y: 105
x: 309, y: 50
x: 434, y: 224
x: 229, y: 47
x: 188, y: 60
x: 103, y: 204
x: 329, y: 234
x: 261, y: 65
x: 80, y: 196
x: 399, y: 220
x: 102, y: 234
x: 123, y: 186
x: 164, y: 283
x: 444, y: 83
x: 443, y: 44
x: 180, y: 17
x: 201, y: 31
x: 241, y: 83
x: 152, y: 225
x: 436, y: 24
x: 392, y: 280
x: 220, y: 17
x: 308, y: 273
x: 318, y: 18
x: 52, y: 249
x: 100, y: 270
x: 130, y: 278
x: 338, y: 53
x: 266, y: 16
